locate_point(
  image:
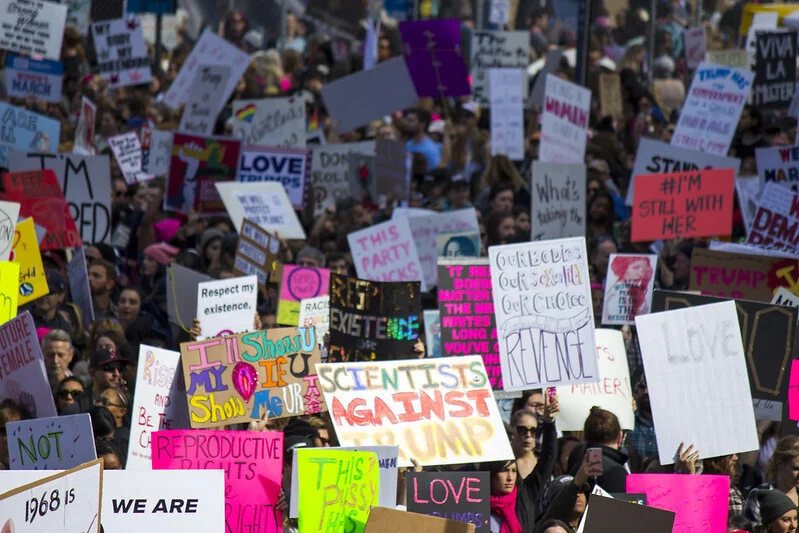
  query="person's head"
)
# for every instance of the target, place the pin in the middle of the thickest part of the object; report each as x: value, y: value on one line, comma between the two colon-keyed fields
x: 500, y: 229
x: 119, y: 194
x: 417, y: 120
x: 210, y: 247
x: 67, y: 393
x: 555, y: 526
x: 600, y: 251
x: 503, y: 476
x: 540, y: 19
x: 107, y: 451
x: 566, y: 445
x: 118, y: 401
x: 783, y: 466
x: 323, y: 430
x: 337, y: 263
x: 778, y: 513
x: 525, y: 424
x: 107, y: 368
x: 500, y: 199
x: 532, y: 400
x: 58, y: 287
x: 10, y: 411
x: 58, y: 352
x: 725, y: 465
x: 593, y: 187
x: 458, y: 192
x: 102, y: 277
x: 310, y: 257
x: 602, y: 427
x: 103, y: 424
x: 383, y: 49
x: 522, y: 219
x: 600, y: 209
x: 130, y: 302
x: 156, y: 257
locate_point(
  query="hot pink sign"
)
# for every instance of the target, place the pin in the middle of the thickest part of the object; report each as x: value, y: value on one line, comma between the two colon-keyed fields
x: 793, y: 392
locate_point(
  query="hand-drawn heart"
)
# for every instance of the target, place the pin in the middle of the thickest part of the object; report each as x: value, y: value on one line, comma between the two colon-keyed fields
x: 245, y: 379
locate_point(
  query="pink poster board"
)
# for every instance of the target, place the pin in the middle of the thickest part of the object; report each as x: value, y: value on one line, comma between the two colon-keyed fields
x: 793, y: 392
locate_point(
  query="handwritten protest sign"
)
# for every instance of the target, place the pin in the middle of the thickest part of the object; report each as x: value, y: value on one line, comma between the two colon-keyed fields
x: 32, y: 280
x: 386, y: 252
x: 264, y: 204
x: 461, y: 496
x: 256, y: 253
x: 156, y: 146
x: 628, y: 288
x: 226, y: 306
x: 315, y: 313
x: 9, y: 290
x: 558, y: 201
x: 497, y: 50
x: 683, y: 205
x: 159, y: 403
x: 610, y: 100
x: 507, y: 122
x: 270, y: 122
x: 697, y: 354
x: 776, y: 219
x: 613, y: 392
x: 695, y: 46
x: 127, y: 152
x: 9, y: 213
x: 54, y: 443
x: 712, y: 108
x: 434, y: 56
x: 699, y: 502
x: 286, y: 166
x: 564, y: 121
x: 26, y: 77
x: 545, y: 331
x: 24, y: 130
x: 23, y: 377
x: 458, y: 421
x: 740, y: 276
x: 298, y: 284
x: 779, y: 165
x: 121, y: 52
x: 252, y: 463
x: 783, y: 296
x: 330, y: 171
x: 206, y: 98
x: 372, y: 320
x: 85, y: 130
x: 748, y: 192
x: 79, y: 287
x: 775, y: 69
x: 391, y: 168
x: 33, y: 28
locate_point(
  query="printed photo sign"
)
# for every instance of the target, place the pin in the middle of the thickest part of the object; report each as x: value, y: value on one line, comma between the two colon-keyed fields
x: 628, y: 288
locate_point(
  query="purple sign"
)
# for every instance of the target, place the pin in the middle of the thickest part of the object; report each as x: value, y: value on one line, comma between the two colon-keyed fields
x: 435, y: 59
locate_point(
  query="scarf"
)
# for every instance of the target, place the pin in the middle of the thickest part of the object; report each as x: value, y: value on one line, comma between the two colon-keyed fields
x: 505, y: 507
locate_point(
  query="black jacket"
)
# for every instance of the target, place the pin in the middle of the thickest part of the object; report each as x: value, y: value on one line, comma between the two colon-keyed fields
x: 533, y: 486
x: 614, y: 475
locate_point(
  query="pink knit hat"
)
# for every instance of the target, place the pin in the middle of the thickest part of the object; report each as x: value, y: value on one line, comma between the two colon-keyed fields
x: 162, y: 253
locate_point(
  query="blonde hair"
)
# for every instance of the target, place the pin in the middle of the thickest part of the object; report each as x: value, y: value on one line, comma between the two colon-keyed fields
x: 502, y: 170
x: 629, y: 60
x: 786, y: 451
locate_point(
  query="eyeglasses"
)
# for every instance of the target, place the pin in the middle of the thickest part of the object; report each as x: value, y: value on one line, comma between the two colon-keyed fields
x: 113, y: 367
x: 66, y: 393
x: 105, y: 403
x: 524, y: 430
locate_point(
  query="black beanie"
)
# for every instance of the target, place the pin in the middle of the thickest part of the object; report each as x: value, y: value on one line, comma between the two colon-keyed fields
x: 773, y: 504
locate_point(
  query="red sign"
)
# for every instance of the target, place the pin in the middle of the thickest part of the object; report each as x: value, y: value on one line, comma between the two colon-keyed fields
x: 683, y: 205
x: 40, y: 197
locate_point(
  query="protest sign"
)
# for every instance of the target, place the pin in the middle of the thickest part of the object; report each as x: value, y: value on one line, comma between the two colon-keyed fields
x: 611, y: 515
x: 458, y: 421
x: 264, y: 204
x: 383, y: 520
x: 461, y: 496
x: 287, y: 166
x: 696, y: 354
x: 558, y: 201
x: 683, y: 205
x: 613, y: 392
x: 9, y: 290
x: 332, y: 477
x: 24, y: 130
x: 458, y: 244
x: 9, y: 213
x: 78, y: 13
x: 551, y: 65
x: 108, y: 10
x: 712, y: 108
x: 205, y: 100
x: 698, y: 502
x: 386, y: 252
x: 628, y: 288
x: 739, y: 276
x: 783, y: 296
x: 159, y: 402
x: 315, y: 313
x: 564, y: 121
x: 432, y: 332
x: 507, y: 122
x: 270, y: 122
x: 695, y: 46
x: 545, y: 330
x: 232, y: 390
x: 372, y: 320
x: 127, y: 152
x: 23, y: 377
x: 748, y: 191
x: 793, y: 391
x: 498, y: 12
x: 434, y: 57
x: 776, y: 219
x: 84, y: 131
x: 610, y: 99
x: 68, y: 501
x: 779, y: 165
x: 468, y: 323
x: 775, y: 69
x: 26, y: 77
x: 33, y: 28
x: 252, y: 464
x: 226, y: 306
x: 156, y: 146
x: 391, y: 169
x: 298, y: 284
x: 121, y: 52
x: 361, y: 175
x: 256, y: 253
x: 736, y: 58
x: 79, y: 287
x: 209, y: 50
x: 498, y: 50
x: 32, y: 280
x: 197, y: 163
x: 330, y: 172
x: 184, y: 282
x: 53, y: 443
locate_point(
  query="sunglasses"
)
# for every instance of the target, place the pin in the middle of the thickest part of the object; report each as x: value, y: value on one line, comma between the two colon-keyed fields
x: 66, y: 393
x: 105, y: 403
x: 524, y: 430
x: 113, y: 367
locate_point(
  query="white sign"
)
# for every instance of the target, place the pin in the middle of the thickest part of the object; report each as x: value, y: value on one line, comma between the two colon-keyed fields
x: 156, y: 151
x: 564, y: 121
x: 315, y: 312
x: 545, y: 319
x: 507, y: 116
x: 776, y: 221
x: 330, y: 172
x: 386, y: 252
x: 558, y: 201
x: 760, y: 21
x: 497, y: 49
x: 612, y: 392
x: 27, y: 77
x: 779, y: 164
x: 9, y: 213
x: 121, y: 52
x: 127, y: 152
x: 226, y: 306
x: 695, y: 46
x: 84, y: 131
x: 712, y: 108
x: 748, y: 191
x: 265, y: 204
x: 159, y: 404
x: 498, y: 12
x: 54, y: 443
x: 697, y: 380
x: 79, y: 287
x: 32, y: 27
x: 270, y: 122
x: 286, y: 166
x: 206, y: 98
x: 628, y: 288
x: 783, y: 296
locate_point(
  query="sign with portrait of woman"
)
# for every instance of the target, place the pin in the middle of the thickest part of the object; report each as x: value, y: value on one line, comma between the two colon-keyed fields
x: 628, y: 288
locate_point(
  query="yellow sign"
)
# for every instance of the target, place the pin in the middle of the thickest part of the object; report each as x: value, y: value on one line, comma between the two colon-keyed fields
x: 9, y: 290
x: 32, y: 280
x: 782, y: 10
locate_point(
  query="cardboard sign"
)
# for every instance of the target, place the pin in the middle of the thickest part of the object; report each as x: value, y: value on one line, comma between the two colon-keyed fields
x: 264, y: 204
x: 330, y: 172
x: 461, y: 496
x: 628, y: 288
x: 386, y: 252
x: 159, y: 403
x: 184, y: 282
x: 54, y: 443
x: 24, y: 130
x: 697, y: 354
x: 197, y: 164
x: 610, y: 102
x: 498, y: 50
x: 736, y: 58
x: 206, y: 98
x: 286, y: 166
x: 252, y: 464
x: 739, y: 276
x: 468, y: 323
x: 79, y: 287
x: 458, y: 421
x: 695, y: 46
x: 315, y: 313
x: 610, y: 515
x: 698, y: 502
x: 564, y: 121
x: 252, y: 375
x: 69, y: 501
x: 783, y: 296
x: 9, y: 289
x: 613, y: 392
x: 299, y: 283
x: 383, y: 520
x: 371, y: 320
x: 121, y: 52
x: 210, y: 50
x: 391, y: 168
x: 9, y: 213
x: 779, y: 165
x: 156, y: 149
x: 127, y: 152
x: 26, y: 77
x: 32, y: 280
x: 712, y: 108
x: 776, y: 219
x: 775, y: 69
x: 270, y: 122
x: 24, y: 378
x: 507, y: 123
x: 226, y: 306
x: 545, y: 319
x: 434, y: 55
x: 558, y: 201
x: 33, y: 28
x: 84, y: 131
x: 256, y: 253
